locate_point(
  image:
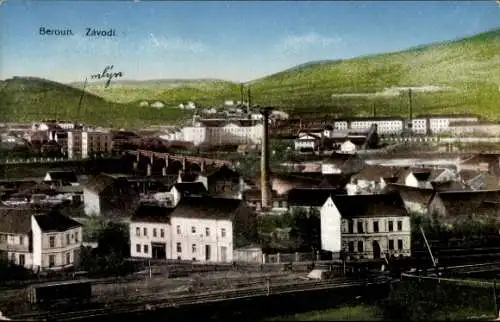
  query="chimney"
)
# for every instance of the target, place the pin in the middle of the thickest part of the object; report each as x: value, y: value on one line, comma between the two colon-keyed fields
x: 265, y: 186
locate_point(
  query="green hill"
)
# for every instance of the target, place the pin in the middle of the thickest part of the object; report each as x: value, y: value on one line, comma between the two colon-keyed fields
x: 470, y: 66
x: 30, y: 98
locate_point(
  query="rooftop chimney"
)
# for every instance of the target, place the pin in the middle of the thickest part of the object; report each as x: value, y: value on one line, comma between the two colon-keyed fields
x: 265, y: 185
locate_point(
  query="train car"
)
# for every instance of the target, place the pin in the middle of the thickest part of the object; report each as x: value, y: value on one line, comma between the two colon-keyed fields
x: 60, y: 291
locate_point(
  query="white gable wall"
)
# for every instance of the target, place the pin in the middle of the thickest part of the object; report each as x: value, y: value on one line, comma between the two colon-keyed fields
x: 331, y: 223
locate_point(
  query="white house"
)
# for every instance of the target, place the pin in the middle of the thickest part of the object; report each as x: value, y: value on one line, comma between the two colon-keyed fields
x: 348, y: 147
x: 39, y: 241
x: 198, y: 228
x: 157, y: 104
x: 366, y: 226
x: 306, y: 141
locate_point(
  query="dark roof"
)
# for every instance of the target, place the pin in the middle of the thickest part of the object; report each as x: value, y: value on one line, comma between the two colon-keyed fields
x: 256, y: 194
x: 333, y: 181
x: 15, y: 220
x: 411, y: 194
x: 152, y: 213
x: 190, y: 188
x: 206, y: 207
x: 376, y: 172
x: 99, y: 183
x: 189, y: 176
x: 463, y: 202
x: 447, y: 186
x: 216, y: 170
x: 370, y: 205
x: 467, y: 175
x: 311, y: 197
x: 63, y: 176
x: 54, y: 221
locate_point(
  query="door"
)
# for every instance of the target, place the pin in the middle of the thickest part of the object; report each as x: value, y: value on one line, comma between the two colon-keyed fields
x: 68, y: 258
x: 22, y: 260
x: 223, y: 253
x: 159, y: 250
x: 376, y: 249
x: 207, y: 252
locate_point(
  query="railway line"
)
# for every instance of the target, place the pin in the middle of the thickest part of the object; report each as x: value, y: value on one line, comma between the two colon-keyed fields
x: 159, y: 301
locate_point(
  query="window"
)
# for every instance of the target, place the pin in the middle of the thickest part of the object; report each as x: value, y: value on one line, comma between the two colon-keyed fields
x: 194, y: 248
x: 179, y: 248
x: 223, y: 232
x: 193, y: 230
x: 68, y: 241
x: 22, y: 260
x: 391, y: 244
x: 360, y: 246
x: 146, y: 249
x: 400, y: 244
x: 350, y: 227
x: 52, y: 241
x: 162, y: 233
x: 154, y: 232
x: 138, y: 248
x: 68, y: 258
x: 391, y: 225
x: 178, y: 229
x: 207, y: 231
x: 137, y: 231
x: 76, y: 237
x: 375, y: 226
x: 360, y: 227
x: 145, y: 231
x: 351, y: 247
x: 52, y: 260
x: 400, y: 225
x: 21, y: 240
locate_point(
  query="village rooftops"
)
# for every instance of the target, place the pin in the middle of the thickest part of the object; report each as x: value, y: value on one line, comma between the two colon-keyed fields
x: 411, y: 194
x: 466, y: 202
x: 370, y: 205
x: 377, y: 172
x: 55, y: 222
x: 206, y: 208
x: 190, y: 188
x: 15, y: 220
x: 311, y: 197
x: 153, y: 213
x: 67, y: 176
x: 99, y: 183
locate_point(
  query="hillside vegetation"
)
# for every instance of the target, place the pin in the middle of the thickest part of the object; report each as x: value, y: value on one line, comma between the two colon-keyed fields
x: 27, y: 99
x: 471, y: 66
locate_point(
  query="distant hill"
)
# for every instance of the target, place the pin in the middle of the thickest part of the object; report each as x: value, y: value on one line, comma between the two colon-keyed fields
x: 31, y: 98
x: 468, y: 68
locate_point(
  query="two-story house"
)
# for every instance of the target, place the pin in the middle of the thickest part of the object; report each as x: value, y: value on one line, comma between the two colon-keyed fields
x: 209, y: 229
x: 150, y: 232
x: 366, y: 226
x: 39, y: 241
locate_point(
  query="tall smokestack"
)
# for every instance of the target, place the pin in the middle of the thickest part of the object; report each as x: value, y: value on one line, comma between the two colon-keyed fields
x: 265, y: 186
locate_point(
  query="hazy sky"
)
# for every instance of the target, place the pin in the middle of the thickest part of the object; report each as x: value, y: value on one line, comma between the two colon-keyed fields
x: 237, y: 41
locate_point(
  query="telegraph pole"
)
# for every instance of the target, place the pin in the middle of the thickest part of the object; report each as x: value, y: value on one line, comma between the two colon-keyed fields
x: 410, y: 124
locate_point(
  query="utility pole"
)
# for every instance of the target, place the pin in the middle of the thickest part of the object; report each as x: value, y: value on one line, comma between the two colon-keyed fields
x: 429, y: 249
x: 81, y: 100
x: 249, y: 98
x: 242, y: 97
x: 410, y: 103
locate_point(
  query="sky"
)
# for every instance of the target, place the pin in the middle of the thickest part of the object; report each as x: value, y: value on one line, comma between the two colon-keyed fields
x: 231, y: 40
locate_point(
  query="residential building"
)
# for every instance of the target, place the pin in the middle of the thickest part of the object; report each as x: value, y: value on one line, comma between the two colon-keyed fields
x: 106, y: 196
x: 85, y: 143
x: 220, y: 132
x: 61, y: 178
x: 372, y: 179
x: 198, y: 228
x: 366, y: 226
x: 452, y: 206
x: 39, y: 241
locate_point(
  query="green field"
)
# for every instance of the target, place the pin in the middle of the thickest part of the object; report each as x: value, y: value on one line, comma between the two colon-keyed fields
x: 469, y: 68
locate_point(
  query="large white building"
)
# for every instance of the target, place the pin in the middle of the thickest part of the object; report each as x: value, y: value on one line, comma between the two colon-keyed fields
x: 226, y: 132
x: 39, y: 241
x: 366, y: 226
x: 198, y: 228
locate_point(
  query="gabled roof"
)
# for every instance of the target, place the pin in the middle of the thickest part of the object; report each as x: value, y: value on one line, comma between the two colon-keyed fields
x: 311, y: 197
x: 376, y: 172
x: 206, y: 207
x: 411, y: 194
x: 152, y: 213
x: 489, y: 158
x: 99, y: 183
x: 68, y: 176
x: 447, y: 186
x: 190, y: 188
x: 55, y: 222
x: 467, y: 175
x: 15, y: 220
x: 463, y: 202
x: 256, y: 194
x: 370, y: 205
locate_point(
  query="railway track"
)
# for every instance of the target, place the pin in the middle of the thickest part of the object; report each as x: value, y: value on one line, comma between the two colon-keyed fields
x: 148, y: 302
